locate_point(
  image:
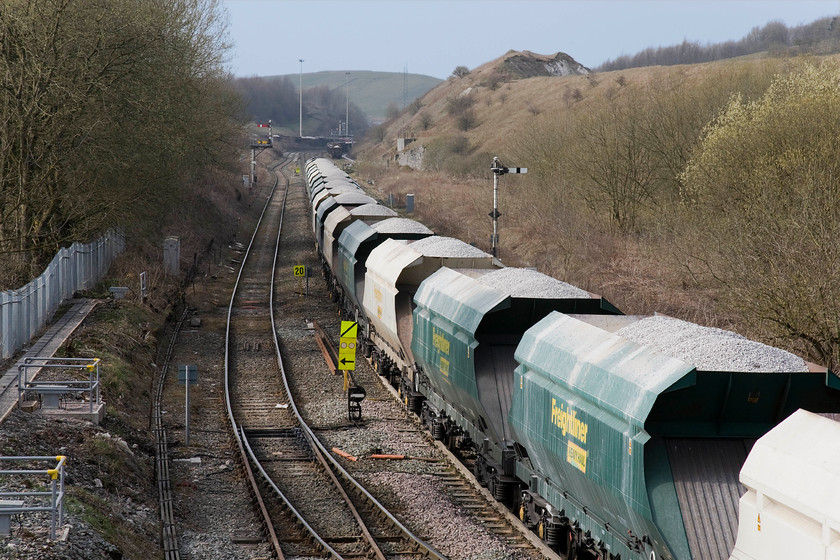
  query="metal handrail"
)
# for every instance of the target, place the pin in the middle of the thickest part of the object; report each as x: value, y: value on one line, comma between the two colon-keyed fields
x: 91, y: 386
x: 56, y: 492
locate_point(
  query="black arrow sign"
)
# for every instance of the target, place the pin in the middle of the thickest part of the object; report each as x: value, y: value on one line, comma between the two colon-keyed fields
x: 345, y: 361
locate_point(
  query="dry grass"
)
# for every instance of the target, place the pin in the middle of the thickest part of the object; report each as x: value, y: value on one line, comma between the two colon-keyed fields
x: 505, y: 111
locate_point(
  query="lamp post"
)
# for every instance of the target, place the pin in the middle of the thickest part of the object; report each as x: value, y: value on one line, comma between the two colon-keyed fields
x: 347, y: 113
x: 300, y: 92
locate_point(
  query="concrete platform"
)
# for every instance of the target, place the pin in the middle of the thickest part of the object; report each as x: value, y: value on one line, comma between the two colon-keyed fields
x: 45, y: 346
x: 79, y: 411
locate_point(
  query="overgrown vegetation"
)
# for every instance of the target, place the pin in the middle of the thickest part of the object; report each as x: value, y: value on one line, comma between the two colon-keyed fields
x: 703, y: 192
x: 761, y: 195
x: 112, y: 112
x: 453, y: 155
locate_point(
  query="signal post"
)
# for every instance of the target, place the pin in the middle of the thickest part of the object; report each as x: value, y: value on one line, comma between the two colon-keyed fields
x: 498, y: 170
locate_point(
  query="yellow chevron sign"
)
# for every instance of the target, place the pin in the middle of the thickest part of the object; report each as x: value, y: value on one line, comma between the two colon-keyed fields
x: 347, y: 345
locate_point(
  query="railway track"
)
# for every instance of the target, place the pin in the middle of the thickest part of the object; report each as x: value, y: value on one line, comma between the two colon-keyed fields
x: 307, y: 511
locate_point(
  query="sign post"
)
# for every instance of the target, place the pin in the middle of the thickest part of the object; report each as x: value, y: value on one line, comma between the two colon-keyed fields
x: 302, y: 274
x: 188, y: 375
x: 347, y: 348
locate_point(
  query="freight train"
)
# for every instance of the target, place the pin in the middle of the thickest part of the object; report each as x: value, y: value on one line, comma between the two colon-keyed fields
x: 611, y: 436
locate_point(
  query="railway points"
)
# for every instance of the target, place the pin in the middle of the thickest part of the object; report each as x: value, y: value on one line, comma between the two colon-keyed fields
x: 322, y: 400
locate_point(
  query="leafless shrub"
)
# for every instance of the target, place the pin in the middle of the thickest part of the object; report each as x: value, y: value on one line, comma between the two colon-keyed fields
x: 460, y: 71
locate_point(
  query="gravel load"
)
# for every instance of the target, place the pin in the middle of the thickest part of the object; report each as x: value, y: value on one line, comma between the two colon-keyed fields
x: 438, y: 246
x: 372, y: 210
x: 710, y: 349
x: 351, y: 198
x: 401, y: 225
x: 527, y: 283
x: 336, y: 189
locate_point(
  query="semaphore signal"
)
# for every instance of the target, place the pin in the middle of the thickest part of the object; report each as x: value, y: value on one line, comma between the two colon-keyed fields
x: 259, y: 144
x: 498, y: 170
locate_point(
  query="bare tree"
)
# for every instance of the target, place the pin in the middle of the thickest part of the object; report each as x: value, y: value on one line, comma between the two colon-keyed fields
x: 460, y: 71
x: 104, y: 107
x: 616, y: 173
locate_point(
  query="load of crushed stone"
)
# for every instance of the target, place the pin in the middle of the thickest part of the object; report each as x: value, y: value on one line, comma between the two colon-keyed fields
x: 437, y: 246
x: 710, y: 349
x: 372, y: 210
x: 400, y: 225
x: 527, y: 283
x: 347, y: 198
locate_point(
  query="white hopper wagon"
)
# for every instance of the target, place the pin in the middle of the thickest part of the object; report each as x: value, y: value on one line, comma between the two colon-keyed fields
x: 792, y: 505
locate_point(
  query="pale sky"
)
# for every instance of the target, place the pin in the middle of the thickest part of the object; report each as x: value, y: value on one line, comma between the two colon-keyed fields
x: 434, y: 36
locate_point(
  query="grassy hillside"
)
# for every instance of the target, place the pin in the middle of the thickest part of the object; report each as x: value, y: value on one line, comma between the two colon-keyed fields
x: 604, y: 204
x: 511, y: 110
x: 373, y: 92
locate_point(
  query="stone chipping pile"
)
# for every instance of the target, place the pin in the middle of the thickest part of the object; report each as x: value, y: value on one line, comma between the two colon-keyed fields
x: 710, y: 349
x: 372, y: 210
x: 526, y: 283
x: 400, y: 225
x: 438, y: 246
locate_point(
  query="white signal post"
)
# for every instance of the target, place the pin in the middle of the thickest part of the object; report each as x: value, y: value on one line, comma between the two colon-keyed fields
x: 188, y: 375
x: 257, y: 144
x: 498, y: 169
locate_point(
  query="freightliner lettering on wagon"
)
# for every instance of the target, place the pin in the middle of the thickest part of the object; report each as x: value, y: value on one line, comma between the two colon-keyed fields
x: 565, y: 418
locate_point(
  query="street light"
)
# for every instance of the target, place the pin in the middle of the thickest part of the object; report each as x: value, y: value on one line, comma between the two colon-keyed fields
x: 347, y: 114
x: 300, y: 91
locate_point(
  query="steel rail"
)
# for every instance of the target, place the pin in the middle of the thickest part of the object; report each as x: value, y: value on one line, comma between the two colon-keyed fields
x: 286, y: 501
x: 330, y: 465
x: 269, y: 527
x: 324, y: 455
x: 244, y: 446
x: 316, y: 446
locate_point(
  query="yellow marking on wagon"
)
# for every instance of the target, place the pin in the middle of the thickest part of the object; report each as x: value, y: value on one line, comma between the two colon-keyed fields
x: 440, y: 341
x: 576, y: 456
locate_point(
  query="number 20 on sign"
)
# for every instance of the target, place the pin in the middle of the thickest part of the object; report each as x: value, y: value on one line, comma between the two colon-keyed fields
x: 300, y: 270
